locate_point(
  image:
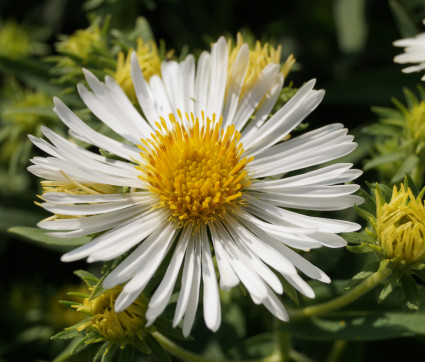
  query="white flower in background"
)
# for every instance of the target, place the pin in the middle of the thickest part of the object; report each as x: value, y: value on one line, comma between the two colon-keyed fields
x: 197, y: 178
x: 414, y: 52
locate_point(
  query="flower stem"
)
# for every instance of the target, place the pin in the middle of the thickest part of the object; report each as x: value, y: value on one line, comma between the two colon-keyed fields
x: 343, y: 300
x: 178, y: 351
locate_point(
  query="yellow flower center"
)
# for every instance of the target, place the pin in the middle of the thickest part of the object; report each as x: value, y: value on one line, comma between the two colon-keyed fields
x: 197, y: 171
x: 114, y: 326
x: 400, y: 226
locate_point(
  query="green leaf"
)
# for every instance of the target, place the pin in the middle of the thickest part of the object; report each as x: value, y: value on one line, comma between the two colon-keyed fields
x: 390, y: 286
x: 408, y: 164
x: 362, y: 320
x: 411, y: 292
x: 157, y: 350
x: 363, y: 274
x: 40, y: 236
x: 126, y: 354
x: 404, y: 23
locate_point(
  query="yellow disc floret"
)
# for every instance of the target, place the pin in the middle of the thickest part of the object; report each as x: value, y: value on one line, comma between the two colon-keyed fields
x: 196, y: 168
x: 111, y: 325
x: 400, y: 226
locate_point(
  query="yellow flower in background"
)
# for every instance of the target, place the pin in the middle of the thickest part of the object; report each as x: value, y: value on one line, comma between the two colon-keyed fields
x: 259, y: 57
x: 400, y: 226
x: 82, y: 43
x: 150, y: 64
x: 111, y: 325
x: 15, y: 41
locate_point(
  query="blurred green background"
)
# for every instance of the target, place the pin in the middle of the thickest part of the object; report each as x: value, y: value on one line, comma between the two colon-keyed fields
x: 345, y: 44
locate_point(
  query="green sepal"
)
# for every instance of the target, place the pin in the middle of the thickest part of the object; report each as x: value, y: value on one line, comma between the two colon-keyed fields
x: 68, y: 303
x: 166, y: 327
x: 84, y: 342
x: 385, y: 193
x: 379, y: 129
x: 363, y: 248
x: 106, y: 352
x: 389, y: 285
x: 109, y: 353
x: 68, y: 333
x: 141, y: 346
x: 87, y: 277
x: 409, y: 183
x: 63, y: 334
x: 366, y: 215
x: 78, y: 294
x: 157, y: 350
x: 126, y: 354
x: 420, y: 273
x: 411, y: 292
x: 369, y: 203
x: 358, y: 238
x: 98, y: 356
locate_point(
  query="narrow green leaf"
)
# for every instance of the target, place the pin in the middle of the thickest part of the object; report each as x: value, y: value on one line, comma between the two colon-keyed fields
x: 385, y: 192
x: 369, y: 204
x: 290, y: 291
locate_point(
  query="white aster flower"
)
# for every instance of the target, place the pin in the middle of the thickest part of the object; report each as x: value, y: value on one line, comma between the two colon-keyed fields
x: 203, y: 172
x: 414, y: 52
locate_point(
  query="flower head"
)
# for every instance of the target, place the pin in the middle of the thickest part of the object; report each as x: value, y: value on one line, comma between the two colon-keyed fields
x: 109, y: 324
x: 200, y: 175
x: 400, y: 226
x: 414, y: 52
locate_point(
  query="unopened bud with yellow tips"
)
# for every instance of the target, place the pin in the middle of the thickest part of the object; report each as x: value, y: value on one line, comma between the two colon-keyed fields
x: 400, y: 226
x: 111, y: 325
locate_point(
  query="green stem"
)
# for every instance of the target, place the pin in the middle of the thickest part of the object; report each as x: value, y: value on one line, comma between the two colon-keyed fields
x: 186, y: 355
x: 339, y: 302
x: 336, y: 351
x: 178, y: 351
